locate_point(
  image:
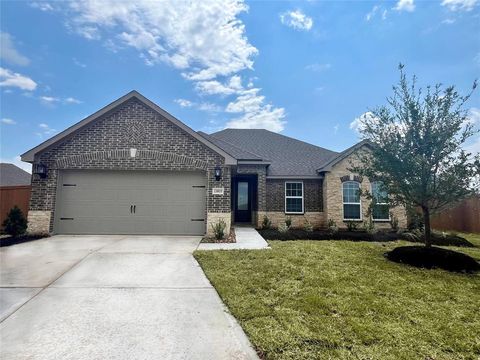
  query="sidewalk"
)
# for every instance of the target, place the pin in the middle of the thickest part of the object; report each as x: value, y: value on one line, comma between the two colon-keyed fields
x: 247, y: 238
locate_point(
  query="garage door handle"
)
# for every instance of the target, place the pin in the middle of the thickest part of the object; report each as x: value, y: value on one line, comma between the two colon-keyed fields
x: 134, y: 208
x: 131, y: 209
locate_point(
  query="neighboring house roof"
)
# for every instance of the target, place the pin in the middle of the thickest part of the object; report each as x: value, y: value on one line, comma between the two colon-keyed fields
x: 288, y: 157
x: 344, y: 154
x: 29, y: 155
x: 11, y: 175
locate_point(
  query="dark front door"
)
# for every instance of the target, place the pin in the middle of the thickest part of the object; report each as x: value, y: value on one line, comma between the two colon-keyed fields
x: 243, y: 201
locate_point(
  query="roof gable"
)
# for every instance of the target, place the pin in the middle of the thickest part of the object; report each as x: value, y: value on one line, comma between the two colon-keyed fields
x: 29, y: 155
x: 344, y: 154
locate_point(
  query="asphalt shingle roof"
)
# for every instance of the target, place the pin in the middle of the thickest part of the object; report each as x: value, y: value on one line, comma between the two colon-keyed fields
x: 236, y: 152
x: 11, y: 175
x: 288, y: 156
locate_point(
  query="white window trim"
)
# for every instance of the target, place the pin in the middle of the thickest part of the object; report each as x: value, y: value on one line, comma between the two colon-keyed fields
x: 295, y: 197
x: 378, y: 203
x: 350, y: 203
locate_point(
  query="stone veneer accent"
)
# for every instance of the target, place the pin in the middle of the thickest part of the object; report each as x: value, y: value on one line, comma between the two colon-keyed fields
x: 317, y: 219
x: 105, y: 145
x: 333, y: 196
x: 213, y: 218
x: 39, y: 222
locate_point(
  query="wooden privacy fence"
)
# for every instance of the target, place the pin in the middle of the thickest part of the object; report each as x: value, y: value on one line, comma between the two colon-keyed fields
x: 11, y: 196
x: 463, y: 217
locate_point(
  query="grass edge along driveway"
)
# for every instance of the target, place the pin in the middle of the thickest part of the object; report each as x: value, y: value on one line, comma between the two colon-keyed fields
x: 344, y: 300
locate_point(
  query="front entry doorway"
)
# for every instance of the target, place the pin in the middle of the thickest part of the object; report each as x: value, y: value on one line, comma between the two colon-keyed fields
x: 243, y: 190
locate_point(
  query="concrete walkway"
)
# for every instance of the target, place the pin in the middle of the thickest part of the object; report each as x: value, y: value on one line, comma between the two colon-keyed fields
x: 247, y: 238
x: 112, y: 297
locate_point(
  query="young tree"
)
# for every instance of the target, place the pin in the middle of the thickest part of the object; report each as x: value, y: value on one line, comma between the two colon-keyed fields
x: 416, y: 148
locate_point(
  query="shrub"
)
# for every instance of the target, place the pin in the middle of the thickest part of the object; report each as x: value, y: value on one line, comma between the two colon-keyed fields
x: 440, y: 239
x: 219, y: 229
x: 307, y: 226
x: 332, y: 226
x: 421, y: 256
x: 393, y: 222
x: 369, y: 226
x: 266, y: 222
x: 15, y: 224
x: 283, y: 228
x: 352, y: 225
x: 288, y: 222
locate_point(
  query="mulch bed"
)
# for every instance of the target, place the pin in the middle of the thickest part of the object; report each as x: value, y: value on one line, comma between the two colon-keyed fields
x: 300, y: 234
x: 10, y: 240
x: 229, y: 239
x: 359, y: 235
x: 433, y: 257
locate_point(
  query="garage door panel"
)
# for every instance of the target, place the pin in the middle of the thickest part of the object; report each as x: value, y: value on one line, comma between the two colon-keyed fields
x: 98, y: 202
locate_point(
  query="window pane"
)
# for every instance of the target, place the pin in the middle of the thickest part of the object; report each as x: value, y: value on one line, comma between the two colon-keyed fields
x: 351, y: 211
x: 380, y: 212
x: 293, y: 189
x: 379, y: 194
x: 351, y: 192
x: 242, y: 196
x: 294, y: 205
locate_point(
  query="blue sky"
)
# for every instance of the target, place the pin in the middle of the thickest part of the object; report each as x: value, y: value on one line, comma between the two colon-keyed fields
x: 308, y: 69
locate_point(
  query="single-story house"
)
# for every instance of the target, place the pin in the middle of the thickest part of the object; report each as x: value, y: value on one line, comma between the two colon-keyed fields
x: 132, y: 168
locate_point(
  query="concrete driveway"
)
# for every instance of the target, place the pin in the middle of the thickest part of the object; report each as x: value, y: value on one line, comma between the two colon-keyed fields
x: 112, y: 297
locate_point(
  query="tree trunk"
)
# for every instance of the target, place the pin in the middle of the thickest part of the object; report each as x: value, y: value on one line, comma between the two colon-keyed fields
x: 426, y: 220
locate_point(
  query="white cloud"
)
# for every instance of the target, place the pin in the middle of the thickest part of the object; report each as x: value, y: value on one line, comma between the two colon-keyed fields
x: 473, y: 116
x: 405, y: 5
x: 384, y: 14
x: 184, y: 102
x: 460, y: 5
x: 12, y: 79
x: 203, y: 106
x: 214, y: 87
x: 205, y: 37
x: 45, y: 130
x: 49, y: 99
x: 42, y: 5
x: 9, y: 53
x: 371, y: 13
x: 72, y: 100
x: 318, y: 67
x: 8, y: 121
x: 267, y: 117
x: 205, y: 40
x: 78, y: 63
x: 335, y: 128
x: 18, y: 162
x: 297, y: 20
x: 474, y: 147
x: 358, y: 123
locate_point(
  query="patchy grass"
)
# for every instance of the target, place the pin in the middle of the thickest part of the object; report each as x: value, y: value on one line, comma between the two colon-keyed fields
x: 344, y: 300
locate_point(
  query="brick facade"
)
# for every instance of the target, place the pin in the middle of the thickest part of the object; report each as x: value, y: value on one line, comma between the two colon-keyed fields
x: 333, y: 196
x: 106, y: 143
x: 275, y: 204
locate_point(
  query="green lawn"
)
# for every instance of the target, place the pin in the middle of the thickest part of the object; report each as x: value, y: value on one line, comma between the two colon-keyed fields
x: 344, y: 300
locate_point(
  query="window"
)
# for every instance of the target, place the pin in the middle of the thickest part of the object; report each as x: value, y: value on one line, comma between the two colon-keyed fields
x: 380, y: 209
x: 294, y: 197
x: 351, y: 201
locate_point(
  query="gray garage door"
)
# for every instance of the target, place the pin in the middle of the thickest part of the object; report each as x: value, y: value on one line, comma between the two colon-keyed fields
x: 130, y: 202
